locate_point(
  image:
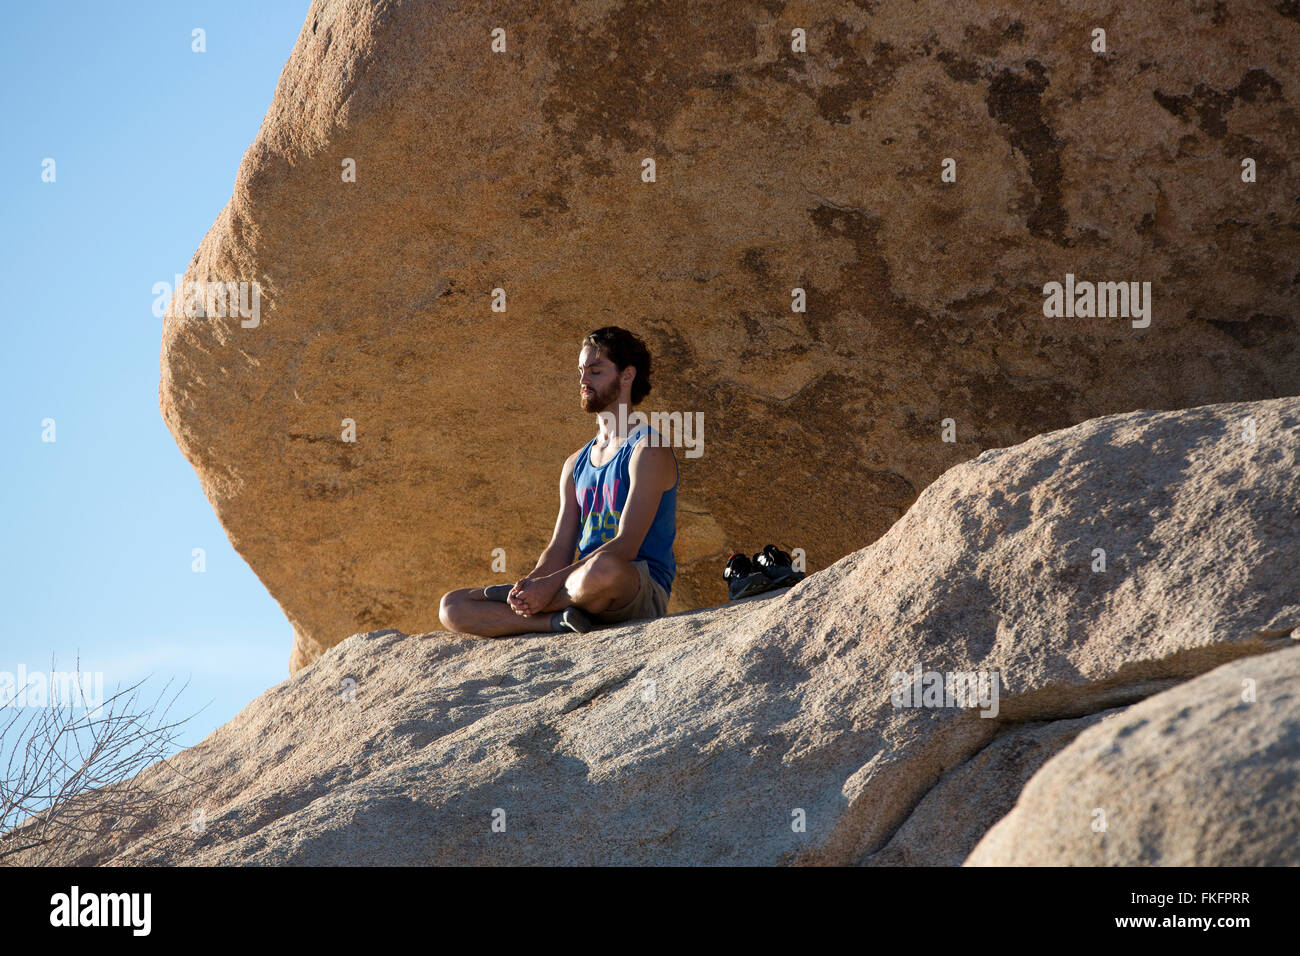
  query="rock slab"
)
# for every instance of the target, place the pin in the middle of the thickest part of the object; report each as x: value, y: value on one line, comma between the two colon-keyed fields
x: 767, y: 731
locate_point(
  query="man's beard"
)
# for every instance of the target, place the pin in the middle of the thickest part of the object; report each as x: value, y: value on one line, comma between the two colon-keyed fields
x: 599, y: 401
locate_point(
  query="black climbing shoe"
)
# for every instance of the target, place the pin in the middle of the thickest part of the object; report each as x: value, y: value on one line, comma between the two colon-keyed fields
x: 776, y: 564
x: 572, y: 618
x: 498, y: 592
x: 743, y: 579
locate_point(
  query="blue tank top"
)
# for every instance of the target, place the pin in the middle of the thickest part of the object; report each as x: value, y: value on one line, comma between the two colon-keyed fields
x: 602, y: 493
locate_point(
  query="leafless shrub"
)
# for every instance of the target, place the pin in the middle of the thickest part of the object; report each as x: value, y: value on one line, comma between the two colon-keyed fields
x: 82, y: 781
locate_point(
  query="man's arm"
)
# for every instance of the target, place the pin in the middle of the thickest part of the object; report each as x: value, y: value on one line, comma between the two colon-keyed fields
x: 564, y: 539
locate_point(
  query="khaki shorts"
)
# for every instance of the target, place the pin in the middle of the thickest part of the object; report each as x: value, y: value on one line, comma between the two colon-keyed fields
x: 651, y: 600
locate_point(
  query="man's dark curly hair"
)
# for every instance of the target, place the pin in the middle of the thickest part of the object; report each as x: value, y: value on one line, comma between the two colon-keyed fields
x: 623, y: 348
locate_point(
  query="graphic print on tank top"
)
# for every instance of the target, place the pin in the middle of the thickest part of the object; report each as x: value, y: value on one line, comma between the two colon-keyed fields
x: 602, y: 493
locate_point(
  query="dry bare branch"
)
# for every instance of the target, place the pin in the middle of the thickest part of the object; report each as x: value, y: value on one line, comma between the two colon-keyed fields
x: 80, y: 781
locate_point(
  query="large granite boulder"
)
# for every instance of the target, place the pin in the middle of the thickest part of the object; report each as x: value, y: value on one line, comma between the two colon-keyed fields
x: 775, y: 168
x: 1205, y: 774
x: 954, y: 815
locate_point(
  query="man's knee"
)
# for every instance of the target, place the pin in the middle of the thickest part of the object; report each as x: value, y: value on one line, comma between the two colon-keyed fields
x: 605, y: 575
x: 451, y: 609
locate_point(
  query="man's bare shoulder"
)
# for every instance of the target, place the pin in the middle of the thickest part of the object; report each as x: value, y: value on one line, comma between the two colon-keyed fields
x: 654, y: 459
x: 570, y: 463
x: 653, y: 452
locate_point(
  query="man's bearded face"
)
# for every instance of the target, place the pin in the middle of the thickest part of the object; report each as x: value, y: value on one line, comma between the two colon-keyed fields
x: 600, y: 400
x: 600, y: 386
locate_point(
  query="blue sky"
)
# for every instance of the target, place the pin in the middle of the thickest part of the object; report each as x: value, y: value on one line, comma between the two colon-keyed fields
x: 98, y: 527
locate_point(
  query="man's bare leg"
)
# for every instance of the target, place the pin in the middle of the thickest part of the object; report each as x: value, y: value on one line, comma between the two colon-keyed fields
x: 468, y: 611
x: 606, y: 581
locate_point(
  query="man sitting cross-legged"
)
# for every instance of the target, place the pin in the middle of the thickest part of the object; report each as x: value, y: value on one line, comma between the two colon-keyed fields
x: 618, y: 508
